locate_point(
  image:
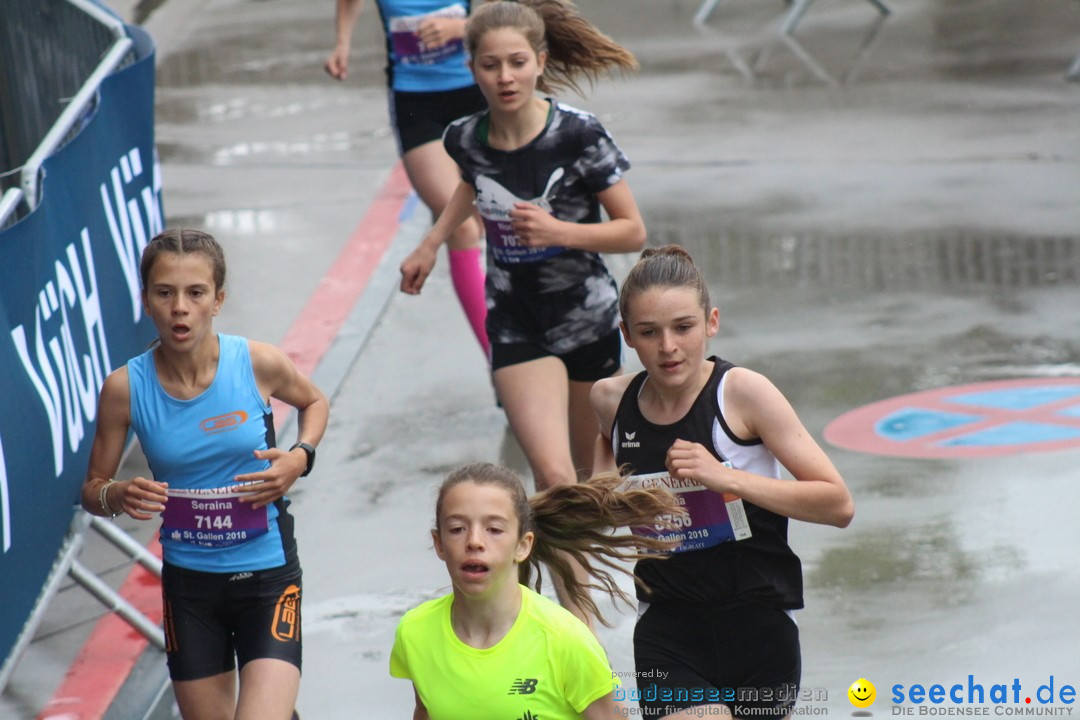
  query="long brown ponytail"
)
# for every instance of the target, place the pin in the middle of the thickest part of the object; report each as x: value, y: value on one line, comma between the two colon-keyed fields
x: 575, y: 522
x: 575, y: 47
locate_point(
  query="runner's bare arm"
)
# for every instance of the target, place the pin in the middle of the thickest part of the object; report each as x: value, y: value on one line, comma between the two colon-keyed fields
x: 757, y: 409
x: 420, y: 712
x: 337, y: 65
x: 602, y: 708
x: 277, y: 377
x: 605, y: 396
x: 418, y: 265
x: 138, y: 497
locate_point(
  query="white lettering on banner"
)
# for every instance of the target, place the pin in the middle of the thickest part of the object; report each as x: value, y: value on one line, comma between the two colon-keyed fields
x: 5, y: 502
x: 73, y: 399
x: 130, y: 228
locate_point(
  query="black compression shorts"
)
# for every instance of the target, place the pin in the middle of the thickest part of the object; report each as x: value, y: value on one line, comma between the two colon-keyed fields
x: 592, y: 362
x: 214, y: 620
x: 743, y: 656
x: 421, y: 117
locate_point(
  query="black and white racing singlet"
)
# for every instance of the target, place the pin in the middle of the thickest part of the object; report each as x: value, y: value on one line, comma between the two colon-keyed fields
x: 730, y: 548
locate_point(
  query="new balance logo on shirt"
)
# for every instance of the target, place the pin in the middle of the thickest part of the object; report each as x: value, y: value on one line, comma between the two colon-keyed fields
x: 523, y: 686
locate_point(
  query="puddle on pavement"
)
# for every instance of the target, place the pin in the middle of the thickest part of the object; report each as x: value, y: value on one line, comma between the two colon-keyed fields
x: 240, y: 53
x: 949, y: 260
x: 927, y: 553
x: 847, y: 320
x: 243, y: 125
x: 210, y: 108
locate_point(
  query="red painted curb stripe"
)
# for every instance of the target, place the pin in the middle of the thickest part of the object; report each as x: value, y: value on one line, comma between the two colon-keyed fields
x: 105, y: 661
x: 320, y: 321
x: 109, y: 654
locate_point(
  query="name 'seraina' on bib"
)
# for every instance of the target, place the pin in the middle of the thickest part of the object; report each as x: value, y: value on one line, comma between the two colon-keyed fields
x: 211, y: 518
x: 406, y: 41
x: 494, y: 203
x: 712, y: 518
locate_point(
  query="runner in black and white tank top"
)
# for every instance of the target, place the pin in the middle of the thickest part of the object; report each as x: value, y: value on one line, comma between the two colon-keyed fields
x: 711, y: 565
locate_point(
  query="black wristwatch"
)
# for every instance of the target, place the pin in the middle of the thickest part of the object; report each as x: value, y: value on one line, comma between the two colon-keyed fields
x: 310, y: 450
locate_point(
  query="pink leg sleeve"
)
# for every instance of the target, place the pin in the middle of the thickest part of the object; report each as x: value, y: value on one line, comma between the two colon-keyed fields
x: 467, y: 275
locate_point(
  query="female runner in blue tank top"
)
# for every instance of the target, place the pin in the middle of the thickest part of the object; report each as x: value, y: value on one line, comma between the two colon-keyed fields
x: 199, y: 403
x: 715, y: 622
x: 430, y: 85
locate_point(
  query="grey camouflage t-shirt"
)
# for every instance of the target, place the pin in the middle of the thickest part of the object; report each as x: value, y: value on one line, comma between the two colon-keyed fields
x: 559, y: 298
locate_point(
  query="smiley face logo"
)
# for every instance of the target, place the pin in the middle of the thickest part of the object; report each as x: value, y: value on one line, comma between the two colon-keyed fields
x: 862, y: 693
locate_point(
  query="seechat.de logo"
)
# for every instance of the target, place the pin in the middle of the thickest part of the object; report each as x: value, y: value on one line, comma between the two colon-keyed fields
x: 862, y: 693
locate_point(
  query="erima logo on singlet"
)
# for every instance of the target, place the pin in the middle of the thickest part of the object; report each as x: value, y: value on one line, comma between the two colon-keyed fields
x: 629, y: 442
x: 529, y: 716
x: 223, y: 423
x: 523, y: 686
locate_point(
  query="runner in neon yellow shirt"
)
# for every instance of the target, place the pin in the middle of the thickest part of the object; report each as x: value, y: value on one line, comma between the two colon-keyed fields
x: 549, y: 664
x: 495, y: 649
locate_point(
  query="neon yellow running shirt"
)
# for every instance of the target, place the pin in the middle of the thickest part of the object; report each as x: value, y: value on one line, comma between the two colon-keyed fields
x: 549, y: 666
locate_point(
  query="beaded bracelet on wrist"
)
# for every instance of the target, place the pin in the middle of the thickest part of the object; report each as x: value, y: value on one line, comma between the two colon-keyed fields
x: 103, y: 498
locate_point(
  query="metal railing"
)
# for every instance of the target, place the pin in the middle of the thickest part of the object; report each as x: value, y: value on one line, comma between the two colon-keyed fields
x: 54, y: 54
x: 68, y: 566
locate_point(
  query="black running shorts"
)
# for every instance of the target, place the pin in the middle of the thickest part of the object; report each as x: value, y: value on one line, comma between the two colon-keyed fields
x: 421, y: 117
x: 739, y: 655
x: 215, y: 620
x: 590, y: 363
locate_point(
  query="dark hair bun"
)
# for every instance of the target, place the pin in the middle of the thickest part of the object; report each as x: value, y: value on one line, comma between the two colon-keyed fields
x: 677, y: 250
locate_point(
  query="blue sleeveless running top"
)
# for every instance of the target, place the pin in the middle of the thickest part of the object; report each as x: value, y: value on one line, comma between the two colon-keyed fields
x: 410, y: 68
x: 202, y: 443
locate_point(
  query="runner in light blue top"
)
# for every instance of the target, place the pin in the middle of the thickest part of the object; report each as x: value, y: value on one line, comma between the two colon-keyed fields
x: 414, y: 65
x: 199, y: 403
x: 430, y: 85
x: 201, y: 444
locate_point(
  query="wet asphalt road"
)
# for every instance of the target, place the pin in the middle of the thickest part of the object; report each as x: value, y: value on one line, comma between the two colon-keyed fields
x: 882, y: 207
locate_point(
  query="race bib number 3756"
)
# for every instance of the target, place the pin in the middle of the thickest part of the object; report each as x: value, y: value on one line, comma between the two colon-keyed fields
x: 711, y: 518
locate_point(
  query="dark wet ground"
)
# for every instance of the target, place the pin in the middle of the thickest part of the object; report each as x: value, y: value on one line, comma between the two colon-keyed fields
x: 882, y: 207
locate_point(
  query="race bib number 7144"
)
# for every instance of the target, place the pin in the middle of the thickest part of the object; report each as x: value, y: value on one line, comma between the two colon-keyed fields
x: 211, y: 518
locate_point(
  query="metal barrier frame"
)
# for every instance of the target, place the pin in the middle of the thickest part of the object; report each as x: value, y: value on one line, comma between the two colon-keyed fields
x: 80, y: 103
x: 791, y: 19
x: 66, y: 564
x: 9, y: 203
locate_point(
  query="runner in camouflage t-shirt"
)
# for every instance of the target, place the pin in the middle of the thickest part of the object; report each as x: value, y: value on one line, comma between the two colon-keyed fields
x: 555, y: 297
x: 539, y: 174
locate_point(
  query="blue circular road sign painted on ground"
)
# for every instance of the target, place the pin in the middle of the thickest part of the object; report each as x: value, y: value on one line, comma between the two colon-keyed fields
x: 984, y: 419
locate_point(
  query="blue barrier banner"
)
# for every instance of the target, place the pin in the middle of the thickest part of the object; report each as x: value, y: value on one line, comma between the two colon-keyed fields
x: 70, y: 313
